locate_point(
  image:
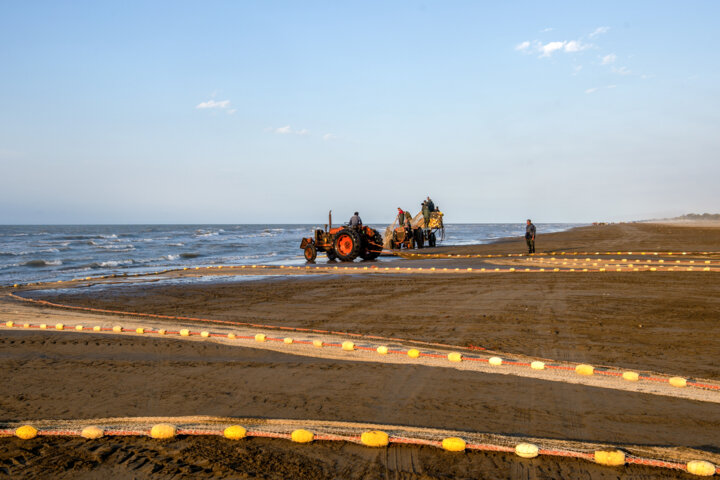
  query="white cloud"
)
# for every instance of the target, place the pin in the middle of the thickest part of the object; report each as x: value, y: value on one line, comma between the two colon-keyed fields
x: 611, y: 86
x: 599, y: 31
x: 232, y: 111
x: 575, y: 46
x: 213, y: 104
x: 550, y: 48
x: 576, y: 69
x: 287, y: 130
x: 609, y: 58
x: 545, y: 30
x: 328, y: 136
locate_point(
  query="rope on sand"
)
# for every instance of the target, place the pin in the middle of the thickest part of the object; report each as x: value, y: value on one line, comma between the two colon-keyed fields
x: 350, y: 346
x: 369, y: 435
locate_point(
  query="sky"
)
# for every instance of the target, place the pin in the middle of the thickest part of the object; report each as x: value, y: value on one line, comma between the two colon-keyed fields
x: 276, y: 112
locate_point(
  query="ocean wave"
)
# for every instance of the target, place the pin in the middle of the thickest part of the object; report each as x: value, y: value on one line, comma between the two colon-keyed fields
x: 248, y: 257
x: 190, y: 255
x: 52, y: 243
x: 42, y: 263
x: 119, y: 247
x: 172, y: 257
x: 29, y: 252
x: 176, y: 244
x: 264, y: 233
x: 113, y: 263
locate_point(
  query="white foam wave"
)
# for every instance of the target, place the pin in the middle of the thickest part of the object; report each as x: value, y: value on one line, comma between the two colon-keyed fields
x: 125, y: 247
x: 114, y: 263
x: 29, y: 252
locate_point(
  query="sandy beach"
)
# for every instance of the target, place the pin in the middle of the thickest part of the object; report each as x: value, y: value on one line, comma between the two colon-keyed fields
x: 662, y: 322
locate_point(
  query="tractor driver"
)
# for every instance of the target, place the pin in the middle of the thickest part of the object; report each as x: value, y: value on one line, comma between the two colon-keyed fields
x: 356, y: 221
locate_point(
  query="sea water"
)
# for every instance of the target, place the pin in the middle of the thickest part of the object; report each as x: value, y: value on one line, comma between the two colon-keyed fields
x: 40, y: 253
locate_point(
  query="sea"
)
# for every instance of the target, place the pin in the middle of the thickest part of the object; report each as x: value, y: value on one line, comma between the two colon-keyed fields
x: 43, y: 253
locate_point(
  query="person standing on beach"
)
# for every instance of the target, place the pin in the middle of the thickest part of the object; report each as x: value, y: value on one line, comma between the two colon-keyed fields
x: 530, y: 236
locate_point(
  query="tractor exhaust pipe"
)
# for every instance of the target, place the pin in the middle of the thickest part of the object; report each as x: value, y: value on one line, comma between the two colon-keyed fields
x: 329, y: 220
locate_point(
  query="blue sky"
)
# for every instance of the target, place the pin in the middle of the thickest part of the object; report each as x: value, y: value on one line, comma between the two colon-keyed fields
x: 273, y: 112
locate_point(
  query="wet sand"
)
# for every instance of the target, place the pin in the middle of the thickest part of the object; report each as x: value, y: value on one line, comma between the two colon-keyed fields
x: 95, y: 376
x: 664, y: 322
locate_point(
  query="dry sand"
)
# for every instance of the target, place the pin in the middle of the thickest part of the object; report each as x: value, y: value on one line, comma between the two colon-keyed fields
x: 664, y: 322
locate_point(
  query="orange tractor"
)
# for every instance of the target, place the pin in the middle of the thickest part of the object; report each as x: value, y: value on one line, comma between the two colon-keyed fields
x: 344, y: 243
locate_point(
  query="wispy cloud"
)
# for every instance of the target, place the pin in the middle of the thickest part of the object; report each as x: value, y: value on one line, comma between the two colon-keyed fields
x: 575, y: 46
x: 620, y: 70
x: 329, y: 136
x: 608, y: 59
x: 590, y: 91
x: 566, y: 46
x: 547, y: 49
x: 599, y: 31
x: 287, y: 130
x: 213, y: 104
x: 577, y: 69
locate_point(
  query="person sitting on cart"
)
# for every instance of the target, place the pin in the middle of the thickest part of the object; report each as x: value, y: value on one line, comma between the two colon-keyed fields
x: 356, y: 221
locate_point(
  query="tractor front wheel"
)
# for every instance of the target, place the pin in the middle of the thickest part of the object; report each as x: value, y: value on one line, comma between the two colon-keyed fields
x: 310, y: 253
x: 347, y: 244
x: 431, y: 239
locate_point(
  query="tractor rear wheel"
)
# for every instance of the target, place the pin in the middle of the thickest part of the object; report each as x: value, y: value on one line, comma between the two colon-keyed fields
x: 373, y: 247
x: 419, y: 238
x: 310, y: 253
x: 347, y: 244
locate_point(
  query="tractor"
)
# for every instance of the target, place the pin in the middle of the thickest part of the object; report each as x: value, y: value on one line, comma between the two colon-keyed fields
x: 345, y: 243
